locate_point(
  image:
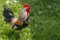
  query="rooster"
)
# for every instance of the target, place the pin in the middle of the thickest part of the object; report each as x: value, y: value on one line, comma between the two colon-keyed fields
x: 17, y: 23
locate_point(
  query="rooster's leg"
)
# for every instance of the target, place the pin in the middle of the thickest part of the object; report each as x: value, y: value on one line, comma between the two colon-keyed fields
x: 20, y: 32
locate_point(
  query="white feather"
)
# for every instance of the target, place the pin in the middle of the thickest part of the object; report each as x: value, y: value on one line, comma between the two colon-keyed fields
x: 23, y: 15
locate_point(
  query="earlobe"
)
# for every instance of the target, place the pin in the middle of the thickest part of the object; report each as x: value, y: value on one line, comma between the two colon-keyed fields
x: 28, y: 10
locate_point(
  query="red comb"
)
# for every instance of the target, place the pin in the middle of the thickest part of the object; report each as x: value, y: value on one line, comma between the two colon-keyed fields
x: 28, y: 6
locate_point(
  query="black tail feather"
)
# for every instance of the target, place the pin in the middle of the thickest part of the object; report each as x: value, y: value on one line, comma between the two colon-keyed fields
x: 8, y: 14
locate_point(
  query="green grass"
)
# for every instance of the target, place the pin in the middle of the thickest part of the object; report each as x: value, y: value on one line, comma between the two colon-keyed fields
x: 44, y: 25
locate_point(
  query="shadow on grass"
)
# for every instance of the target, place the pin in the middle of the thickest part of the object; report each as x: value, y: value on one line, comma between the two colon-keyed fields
x: 11, y: 35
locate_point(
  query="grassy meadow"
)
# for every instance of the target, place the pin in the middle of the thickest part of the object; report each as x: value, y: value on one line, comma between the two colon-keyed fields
x: 44, y: 24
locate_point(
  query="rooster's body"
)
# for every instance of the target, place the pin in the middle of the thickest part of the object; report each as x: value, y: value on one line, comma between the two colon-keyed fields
x: 17, y: 23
